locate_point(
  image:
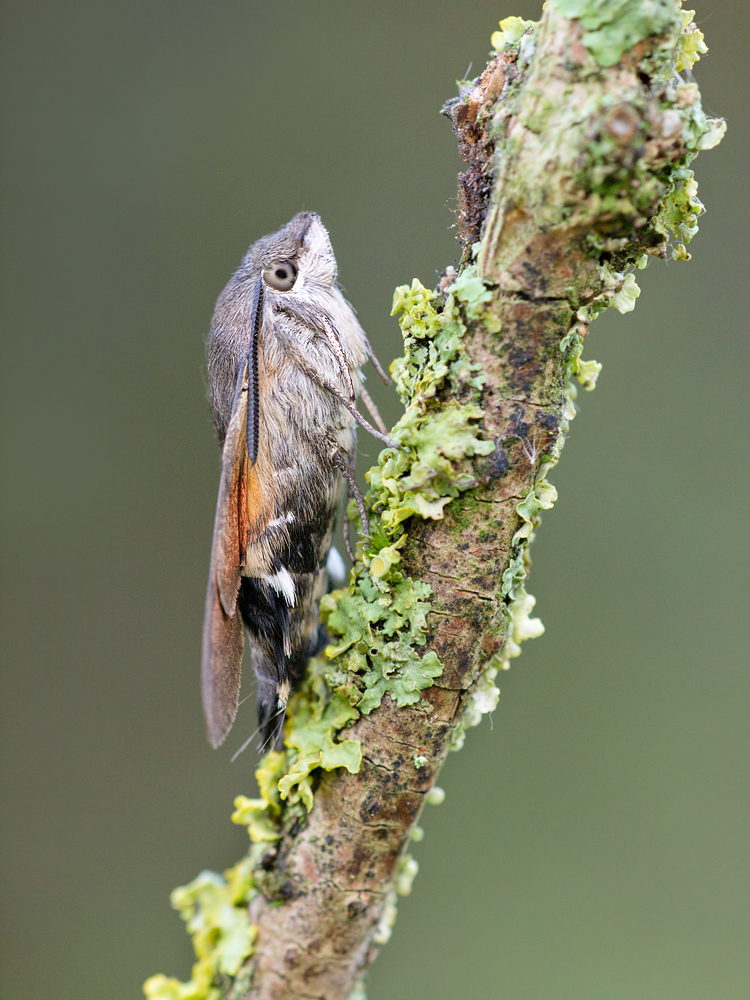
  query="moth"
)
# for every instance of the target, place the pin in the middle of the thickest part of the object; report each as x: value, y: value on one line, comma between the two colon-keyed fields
x: 285, y: 355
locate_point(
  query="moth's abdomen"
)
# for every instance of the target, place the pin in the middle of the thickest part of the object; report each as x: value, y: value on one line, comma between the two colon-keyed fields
x: 280, y: 603
x: 280, y: 669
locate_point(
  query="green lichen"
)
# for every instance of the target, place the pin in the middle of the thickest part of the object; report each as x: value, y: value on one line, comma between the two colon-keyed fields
x: 316, y: 716
x: 429, y: 468
x: 214, y: 907
x: 612, y: 27
x: 259, y: 819
x: 433, y: 347
x: 692, y: 44
x: 261, y: 816
x: 380, y: 629
x: 512, y: 29
x: 379, y: 622
x: 683, y: 114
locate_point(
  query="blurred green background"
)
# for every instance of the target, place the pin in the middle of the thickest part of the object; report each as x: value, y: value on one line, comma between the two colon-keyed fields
x: 593, y: 843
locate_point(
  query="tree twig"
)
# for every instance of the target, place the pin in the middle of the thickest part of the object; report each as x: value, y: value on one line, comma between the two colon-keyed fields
x: 577, y: 137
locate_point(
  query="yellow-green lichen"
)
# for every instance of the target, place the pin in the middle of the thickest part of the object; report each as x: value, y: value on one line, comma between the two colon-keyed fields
x: 614, y: 26
x: 214, y: 907
x: 380, y: 629
x: 261, y: 816
x: 512, y: 29
x: 692, y: 44
x: 378, y: 624
x: 316, y: 716
x: 257, y: 817
x: 428, y: 469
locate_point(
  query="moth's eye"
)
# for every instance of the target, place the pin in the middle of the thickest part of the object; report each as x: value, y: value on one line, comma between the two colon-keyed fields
x: 281, y: 276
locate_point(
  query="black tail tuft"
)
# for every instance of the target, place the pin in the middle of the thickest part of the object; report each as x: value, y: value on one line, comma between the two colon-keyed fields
x: 271, y: 714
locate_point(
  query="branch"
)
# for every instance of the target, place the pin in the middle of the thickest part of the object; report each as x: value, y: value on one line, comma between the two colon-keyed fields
x: 578, y: 136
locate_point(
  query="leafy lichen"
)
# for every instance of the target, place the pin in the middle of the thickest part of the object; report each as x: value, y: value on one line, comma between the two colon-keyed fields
x: 379, y: 622
x: 512, y: 30
x: 316, y: 717
x: 429, y: 467
x: 214, y: 907
x: 380, y: 630
x: 691, y: 45
x: 614, y: 26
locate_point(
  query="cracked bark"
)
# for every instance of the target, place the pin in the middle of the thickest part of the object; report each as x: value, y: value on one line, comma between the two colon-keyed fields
x: 325, y: 882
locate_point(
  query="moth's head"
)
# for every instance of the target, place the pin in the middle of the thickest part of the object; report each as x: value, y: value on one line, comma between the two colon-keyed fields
x: 298, y: 258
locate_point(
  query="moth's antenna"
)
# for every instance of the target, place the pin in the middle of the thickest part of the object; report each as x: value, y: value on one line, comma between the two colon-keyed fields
x: 253, y: 410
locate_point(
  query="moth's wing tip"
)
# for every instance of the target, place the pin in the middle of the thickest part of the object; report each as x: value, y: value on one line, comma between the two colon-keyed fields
x: 221, y: 667
x: 214, y: 736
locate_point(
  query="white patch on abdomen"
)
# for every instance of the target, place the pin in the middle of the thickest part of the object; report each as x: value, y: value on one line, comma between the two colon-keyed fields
x: 283, y: 584
x: 278, y: 521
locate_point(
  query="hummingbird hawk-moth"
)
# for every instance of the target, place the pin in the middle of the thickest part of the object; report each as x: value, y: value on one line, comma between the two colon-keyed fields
x: 285, y: 354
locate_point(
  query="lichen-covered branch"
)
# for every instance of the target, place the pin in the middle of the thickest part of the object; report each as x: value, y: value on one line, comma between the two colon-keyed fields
x: 578, y: 138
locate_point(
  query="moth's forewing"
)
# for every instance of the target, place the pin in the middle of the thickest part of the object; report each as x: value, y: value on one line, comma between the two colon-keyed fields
x: 230, y: 526
x: 222, y: 625
x: 221, y: 667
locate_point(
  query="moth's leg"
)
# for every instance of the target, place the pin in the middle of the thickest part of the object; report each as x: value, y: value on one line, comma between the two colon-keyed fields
x: 348, y: 475
x: 372, y: 409
x: 377, y: 366
x: 346, y: 526
x: 322, y: 380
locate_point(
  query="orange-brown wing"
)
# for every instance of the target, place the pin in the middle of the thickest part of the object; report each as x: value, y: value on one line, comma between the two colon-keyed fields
x: 222, y: 624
